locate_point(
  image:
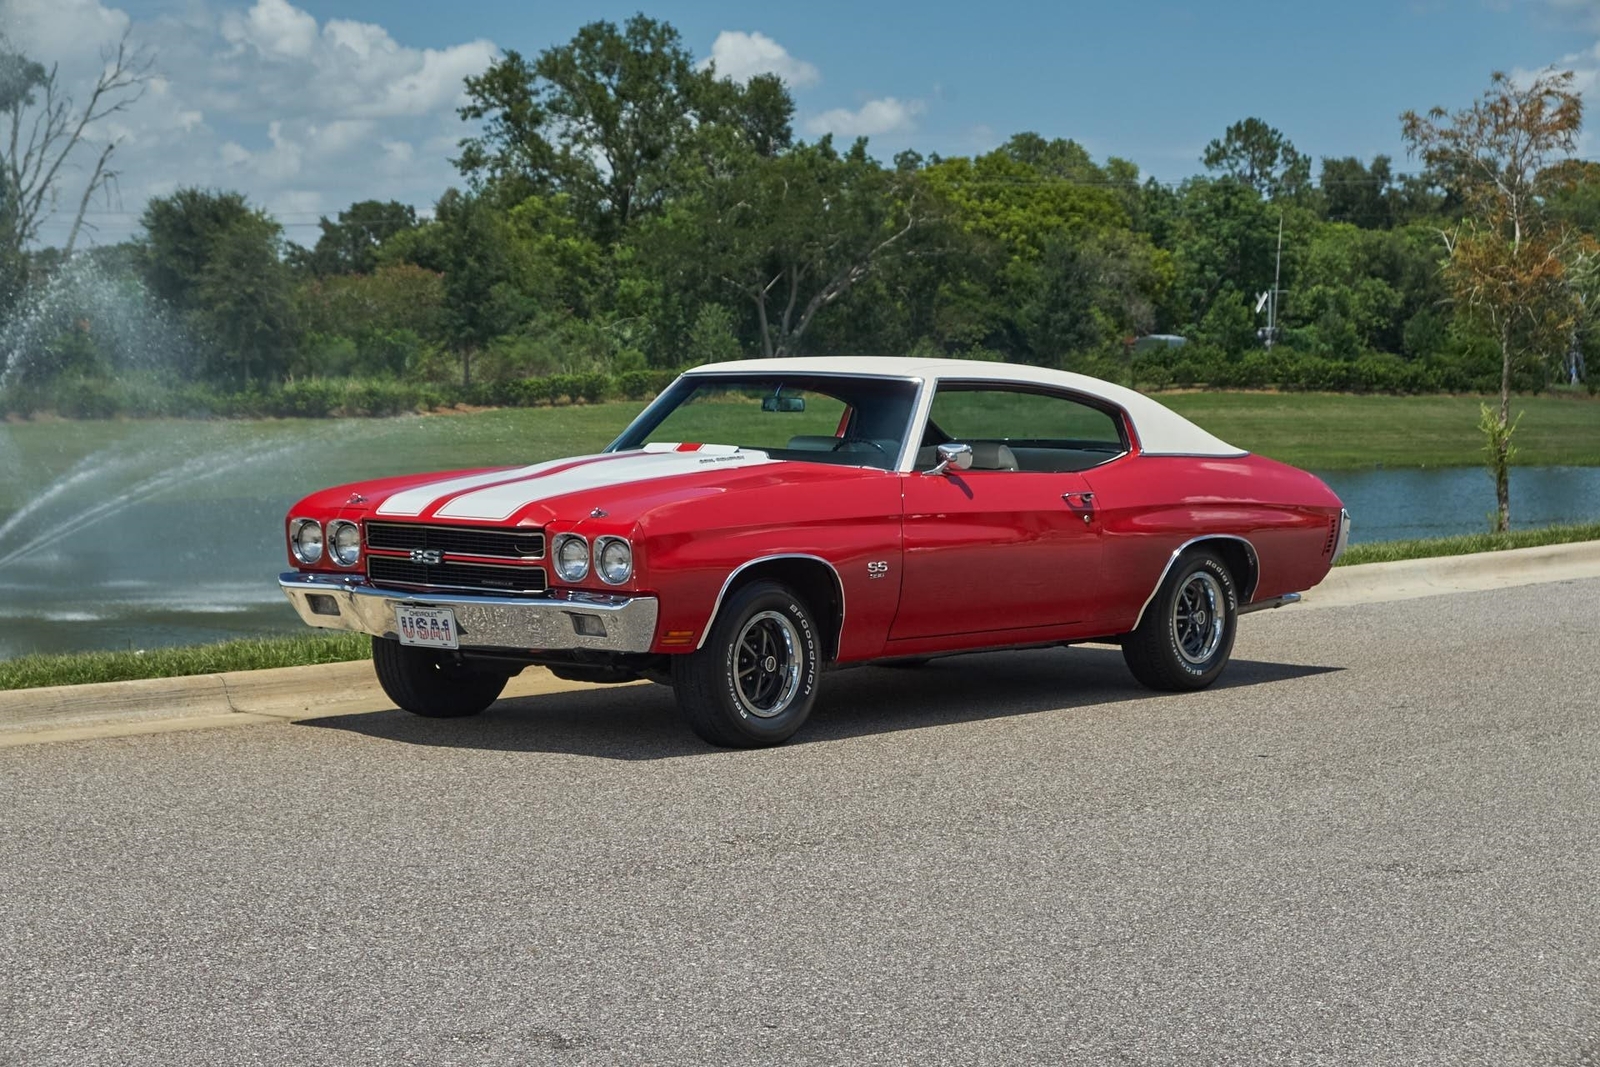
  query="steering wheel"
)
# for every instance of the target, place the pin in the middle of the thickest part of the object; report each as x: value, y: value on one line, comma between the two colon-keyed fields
x: 858, y: 441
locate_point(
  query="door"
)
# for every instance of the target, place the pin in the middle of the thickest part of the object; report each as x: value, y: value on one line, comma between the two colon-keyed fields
x: 1012, y: 543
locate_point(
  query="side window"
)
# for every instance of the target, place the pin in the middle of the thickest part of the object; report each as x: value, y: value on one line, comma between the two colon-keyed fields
x: 1015, y: 429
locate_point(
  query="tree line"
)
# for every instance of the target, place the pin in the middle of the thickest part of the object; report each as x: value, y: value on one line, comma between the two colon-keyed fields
x: 624, y: 211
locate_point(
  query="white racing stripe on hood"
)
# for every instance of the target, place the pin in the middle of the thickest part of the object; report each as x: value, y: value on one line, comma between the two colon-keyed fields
x: 415, y: 501
x: 500, y: 502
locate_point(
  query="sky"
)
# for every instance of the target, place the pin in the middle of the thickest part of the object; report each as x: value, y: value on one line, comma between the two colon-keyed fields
x: 308, y: 105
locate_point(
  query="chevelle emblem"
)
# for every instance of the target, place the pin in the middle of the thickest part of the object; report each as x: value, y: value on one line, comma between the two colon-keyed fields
x: 429, y: 556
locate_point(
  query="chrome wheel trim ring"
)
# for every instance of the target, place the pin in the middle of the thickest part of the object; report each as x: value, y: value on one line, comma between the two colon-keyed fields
x: 1199, y: 618
x: 766, y: 664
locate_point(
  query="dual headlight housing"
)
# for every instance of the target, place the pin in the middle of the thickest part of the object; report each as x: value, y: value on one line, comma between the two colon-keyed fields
x: 341, y: 541
x: 612, y: 559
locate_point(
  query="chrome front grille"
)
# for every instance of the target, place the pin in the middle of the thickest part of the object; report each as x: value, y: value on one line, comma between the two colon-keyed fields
x: 495, y: 543
x: 391, y: 570
x: 416, y: 555
x: 1333, y: 536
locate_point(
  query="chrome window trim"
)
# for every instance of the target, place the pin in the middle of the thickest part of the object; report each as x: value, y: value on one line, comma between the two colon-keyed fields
x: 295, y: 526
x: 908, y: 453
x: 599, y: 547
x: 327, y: 544
x: 1244, y: 597
x: 1130, y: 444
x: 838, y: 583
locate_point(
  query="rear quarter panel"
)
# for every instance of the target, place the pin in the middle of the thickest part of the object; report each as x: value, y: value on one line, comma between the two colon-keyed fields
x: 1150, y: 505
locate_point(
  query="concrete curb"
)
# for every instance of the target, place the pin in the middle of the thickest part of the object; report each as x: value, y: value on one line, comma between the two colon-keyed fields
x: 1408, y: 579
x: 160, y: 705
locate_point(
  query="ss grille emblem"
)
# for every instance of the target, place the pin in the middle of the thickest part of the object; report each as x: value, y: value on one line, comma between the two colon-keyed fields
x: 430, y: 556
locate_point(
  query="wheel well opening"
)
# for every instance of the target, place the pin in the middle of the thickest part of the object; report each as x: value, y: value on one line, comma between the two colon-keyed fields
x: 814, y: 581
x: 1241, y: 560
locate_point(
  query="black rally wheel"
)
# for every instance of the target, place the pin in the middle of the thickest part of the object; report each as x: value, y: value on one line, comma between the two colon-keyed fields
x: 1186, y: 635
x: 431, y: 683
x: 754, y: 681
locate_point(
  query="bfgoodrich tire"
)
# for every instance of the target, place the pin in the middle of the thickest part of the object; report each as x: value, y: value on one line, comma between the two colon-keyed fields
x: 1186, y: 635
x: 432, y: 684
x: 755, y: 680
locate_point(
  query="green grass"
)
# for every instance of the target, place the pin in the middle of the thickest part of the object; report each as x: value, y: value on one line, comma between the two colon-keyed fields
x: 1467, y: 544
x: 1319, y: 431
x: 1329, y: 431
x: 246, y: 654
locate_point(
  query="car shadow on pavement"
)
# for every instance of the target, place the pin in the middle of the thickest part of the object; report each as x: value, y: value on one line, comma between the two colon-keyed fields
x: 639, y: 722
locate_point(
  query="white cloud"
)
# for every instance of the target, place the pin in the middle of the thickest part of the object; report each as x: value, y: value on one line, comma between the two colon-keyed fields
x: 274, y: 28
x: 873, y: 119
x: 259, y: 96
x: 741, y: 56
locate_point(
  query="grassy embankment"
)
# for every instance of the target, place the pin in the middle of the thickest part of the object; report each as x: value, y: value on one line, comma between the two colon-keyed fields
x: 1326, y: 432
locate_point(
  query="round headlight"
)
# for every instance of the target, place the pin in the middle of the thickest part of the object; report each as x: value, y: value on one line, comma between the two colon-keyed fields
x: 572, y: 558
x: 613, y: 560
x: 344, y: 543
x: 305, y: 540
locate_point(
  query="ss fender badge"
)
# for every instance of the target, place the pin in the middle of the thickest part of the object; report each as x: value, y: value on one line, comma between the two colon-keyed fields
x: 878, y: 568
x: 430, y: 556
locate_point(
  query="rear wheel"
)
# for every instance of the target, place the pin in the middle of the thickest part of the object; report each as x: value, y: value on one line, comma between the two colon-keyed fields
x: 1186, y: 635
x: 433, y: 684
x: 755, y: 680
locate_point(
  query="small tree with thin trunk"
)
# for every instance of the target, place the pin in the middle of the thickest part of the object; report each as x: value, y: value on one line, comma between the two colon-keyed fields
x: 1511, y: 267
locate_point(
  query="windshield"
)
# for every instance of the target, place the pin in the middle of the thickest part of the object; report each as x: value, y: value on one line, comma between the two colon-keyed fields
x: 859, y: 422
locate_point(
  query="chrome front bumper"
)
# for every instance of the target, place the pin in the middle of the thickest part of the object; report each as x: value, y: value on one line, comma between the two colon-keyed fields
x: 334, y: 602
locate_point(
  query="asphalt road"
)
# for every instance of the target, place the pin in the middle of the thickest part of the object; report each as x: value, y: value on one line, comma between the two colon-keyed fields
x: 1374, y: 843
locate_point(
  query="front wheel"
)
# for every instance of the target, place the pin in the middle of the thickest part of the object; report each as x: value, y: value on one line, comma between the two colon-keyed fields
x: 433, y: 684
x: 1186, y: 635
x: 755, y: 680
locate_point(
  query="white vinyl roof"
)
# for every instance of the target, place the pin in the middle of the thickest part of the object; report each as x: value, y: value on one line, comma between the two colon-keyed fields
x: 1161, y: 431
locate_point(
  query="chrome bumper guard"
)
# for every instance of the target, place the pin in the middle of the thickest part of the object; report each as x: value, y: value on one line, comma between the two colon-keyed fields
x: 552, y: 621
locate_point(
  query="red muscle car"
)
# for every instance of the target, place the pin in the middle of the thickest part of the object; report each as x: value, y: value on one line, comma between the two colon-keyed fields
x: 762, y: 521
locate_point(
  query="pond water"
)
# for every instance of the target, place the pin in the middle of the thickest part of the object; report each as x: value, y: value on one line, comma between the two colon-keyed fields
x: 1395, y: 505
x: 130, y: 542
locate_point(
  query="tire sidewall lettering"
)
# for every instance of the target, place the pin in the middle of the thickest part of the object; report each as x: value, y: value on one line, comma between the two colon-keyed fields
x: 802, y: 623
x: 1220, y: 573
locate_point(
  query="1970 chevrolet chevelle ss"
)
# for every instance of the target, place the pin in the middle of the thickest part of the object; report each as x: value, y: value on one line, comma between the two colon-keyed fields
x: 761, y: 521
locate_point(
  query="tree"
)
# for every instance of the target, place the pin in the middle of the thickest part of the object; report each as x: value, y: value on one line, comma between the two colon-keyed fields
x: 180, y: 238
x: 793, y: 234
x: 219, y: 263
x: 41, y: 128
x: 1510, y: 267
x: 1356, y: 193
x: 1257, y: 155
x: 605, y: 119
x: 350, y: 245
x: 246, y: 303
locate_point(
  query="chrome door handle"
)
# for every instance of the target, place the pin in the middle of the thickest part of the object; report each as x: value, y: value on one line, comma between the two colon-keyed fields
x: 1079, y: 500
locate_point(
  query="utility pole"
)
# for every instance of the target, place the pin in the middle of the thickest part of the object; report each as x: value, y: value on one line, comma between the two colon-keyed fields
x: 1270, y: 297
x: 1277, y: 276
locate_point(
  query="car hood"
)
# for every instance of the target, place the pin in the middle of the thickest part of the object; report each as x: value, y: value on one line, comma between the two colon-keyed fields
x: 623, y: 484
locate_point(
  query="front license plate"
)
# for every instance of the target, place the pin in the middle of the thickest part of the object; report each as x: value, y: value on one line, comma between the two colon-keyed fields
x: 427, y: 627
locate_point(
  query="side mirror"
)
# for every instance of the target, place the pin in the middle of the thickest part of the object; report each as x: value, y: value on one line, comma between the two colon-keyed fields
x: 954, y: 455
